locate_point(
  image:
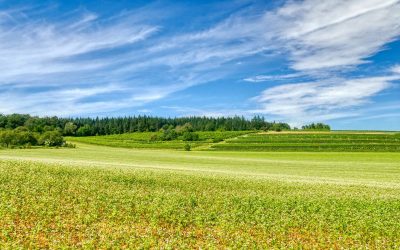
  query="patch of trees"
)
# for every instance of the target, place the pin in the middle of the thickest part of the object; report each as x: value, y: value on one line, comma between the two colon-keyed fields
x: 316, y: 127
x: 184, y: 132
x: 120, y: 125
x: 22, y: 137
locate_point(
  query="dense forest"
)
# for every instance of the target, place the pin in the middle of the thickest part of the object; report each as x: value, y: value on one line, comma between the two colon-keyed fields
x: 119, y: 125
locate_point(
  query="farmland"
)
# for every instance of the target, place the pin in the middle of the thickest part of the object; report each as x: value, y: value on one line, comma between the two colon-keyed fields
x: 259, y: 141
x: 144, y: 140
x: 95, y: 196
x: 336, y: 142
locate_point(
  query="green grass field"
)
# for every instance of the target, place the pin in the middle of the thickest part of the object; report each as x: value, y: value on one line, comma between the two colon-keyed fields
x: 143, y: 140
x: 322, y: 142
x: 108, y: 197
x: 253, y: 141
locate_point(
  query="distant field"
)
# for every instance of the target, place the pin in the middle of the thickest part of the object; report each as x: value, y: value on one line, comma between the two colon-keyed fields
x: 333, y: 141
x: 144, y: 140
x: 252, y: 141
x: 107, y: 197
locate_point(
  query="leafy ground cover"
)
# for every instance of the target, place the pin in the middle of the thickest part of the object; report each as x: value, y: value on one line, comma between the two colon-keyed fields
x: 331, y: 141
x: 104, y: 197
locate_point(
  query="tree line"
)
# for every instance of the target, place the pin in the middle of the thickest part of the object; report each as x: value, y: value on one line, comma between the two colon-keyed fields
x: 120, y: 125
x: 316, y: 127
x: 21, y: 137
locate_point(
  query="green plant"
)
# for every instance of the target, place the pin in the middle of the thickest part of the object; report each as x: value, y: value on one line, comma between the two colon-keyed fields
x: 104, y: 197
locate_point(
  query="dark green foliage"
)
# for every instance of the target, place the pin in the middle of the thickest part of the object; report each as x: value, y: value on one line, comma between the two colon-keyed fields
x: 190, y: 136
x: 216, y: 140
x: 17, y: 137
x: 168, y: 135
x: 187, y: 147
x: 6, y: 138
x: 70, y: 128
x: 154, y: 138
x: 316, y: 127
x: 85, y: 130
x: 23, y: 138
x: 51, y: 139
x: 120, y: 125
x: 187, y: 127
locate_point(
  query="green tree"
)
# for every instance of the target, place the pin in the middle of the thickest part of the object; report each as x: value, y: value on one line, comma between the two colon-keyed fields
x: 6, y: 137
x: 85, y: 130
x: 190, y: 136
x: 70, y: 128
x: 52, y: 139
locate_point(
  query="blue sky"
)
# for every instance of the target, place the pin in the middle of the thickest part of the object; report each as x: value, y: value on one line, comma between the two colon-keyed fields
x: 295, y: 61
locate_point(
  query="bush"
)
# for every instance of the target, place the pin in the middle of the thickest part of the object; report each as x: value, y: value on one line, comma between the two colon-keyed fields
x: 154, y: 138
x: 69, y: 145
x: 17, y: 137
x: 190, y: 136
x: 215, y: 140
x: 168, y: 135
x: 52, y: 139
x: 187, y: 147
x: 24, y: 138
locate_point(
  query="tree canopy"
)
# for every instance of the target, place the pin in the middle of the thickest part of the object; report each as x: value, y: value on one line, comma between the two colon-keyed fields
x: 317, y: 127
x: 120, y: 125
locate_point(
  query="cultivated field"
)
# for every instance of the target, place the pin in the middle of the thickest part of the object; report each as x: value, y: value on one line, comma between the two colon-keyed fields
x: 108, y: 197
x: 253, y: 141
x: 328, y: 141
x: 144, y: 140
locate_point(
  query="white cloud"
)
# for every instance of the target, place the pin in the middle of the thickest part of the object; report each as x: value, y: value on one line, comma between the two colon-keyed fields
x: 64, y: 55
x: 263, y: 78
x: 319, y: 101
x: 32, y: 49
x: 323, y: 38
x: 396, y: 69
x: 332, y: 34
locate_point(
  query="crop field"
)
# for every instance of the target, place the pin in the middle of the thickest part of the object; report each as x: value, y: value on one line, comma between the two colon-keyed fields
x: 331, y: 141
x: 107, y: 197
x: 253, y: 141
x: 144, y: 140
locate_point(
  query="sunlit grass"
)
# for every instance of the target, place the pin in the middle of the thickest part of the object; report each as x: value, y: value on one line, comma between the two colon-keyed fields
x: 102, y: 197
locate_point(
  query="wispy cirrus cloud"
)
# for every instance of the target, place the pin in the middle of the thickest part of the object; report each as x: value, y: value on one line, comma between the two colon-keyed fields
x: 40, y: 48
x: 87, y: 51
x: 333, y: 34
x: 263, y: 78
x: 60, y: 64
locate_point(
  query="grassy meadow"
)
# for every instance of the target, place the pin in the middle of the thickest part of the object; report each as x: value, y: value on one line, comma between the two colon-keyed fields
x: 323, y: 141
x: 96, y: 196
x: 286, y: 141
x: 144, y: 140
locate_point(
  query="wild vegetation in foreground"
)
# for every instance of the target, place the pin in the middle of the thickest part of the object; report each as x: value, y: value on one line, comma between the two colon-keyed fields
x: 103, y: 197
